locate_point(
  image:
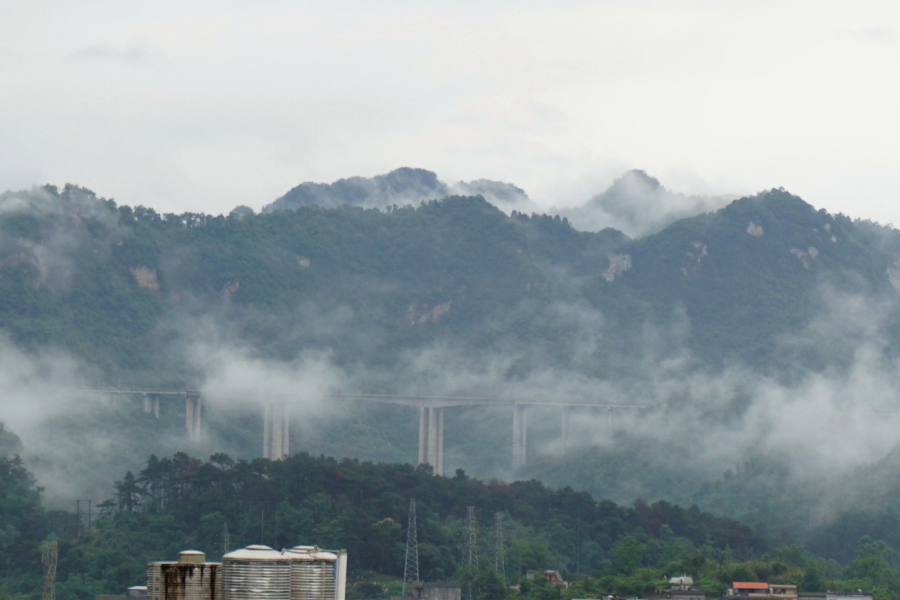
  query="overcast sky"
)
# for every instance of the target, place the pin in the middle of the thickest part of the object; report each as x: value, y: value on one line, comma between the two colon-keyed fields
x: 201, y: 106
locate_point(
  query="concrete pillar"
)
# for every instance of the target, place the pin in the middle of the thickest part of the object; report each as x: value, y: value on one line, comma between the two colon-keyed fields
x: 520, y: 436
x: 193, y: 417
x: 286, y: 434
x: 423, y: 435
x: 439, y: 458
x: 565, y: 429
x: 276, y: 431
x: 198, y: 417
x: 151, y: 405
x: 267, y: 430
x: 431, y: 438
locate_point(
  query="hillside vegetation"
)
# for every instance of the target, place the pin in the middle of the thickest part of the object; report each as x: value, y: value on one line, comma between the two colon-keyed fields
x: 762, y: 337
x: 113, y: 284
x: 182, y: 502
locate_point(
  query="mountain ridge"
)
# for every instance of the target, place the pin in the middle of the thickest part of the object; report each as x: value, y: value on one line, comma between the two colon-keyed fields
x: 635, y: 203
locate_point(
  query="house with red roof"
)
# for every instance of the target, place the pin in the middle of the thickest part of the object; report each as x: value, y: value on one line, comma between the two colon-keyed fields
x: 760, y: 590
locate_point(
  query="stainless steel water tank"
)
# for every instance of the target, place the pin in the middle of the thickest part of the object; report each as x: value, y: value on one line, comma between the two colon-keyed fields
x: 313, y: 573
x: 256, y: 573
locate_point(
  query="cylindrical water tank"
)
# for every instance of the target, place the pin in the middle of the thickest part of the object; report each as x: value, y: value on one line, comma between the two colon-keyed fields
x: 256, y: 573
x: 313, y: 573
x: 191, y: 578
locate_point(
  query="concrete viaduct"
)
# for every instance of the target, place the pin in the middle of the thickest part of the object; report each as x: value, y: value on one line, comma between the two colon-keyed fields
x: 276, y: 417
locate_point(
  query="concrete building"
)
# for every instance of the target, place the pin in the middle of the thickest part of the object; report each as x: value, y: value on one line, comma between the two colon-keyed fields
x: 135, y: 592
x: 760, y: 590
x: 550, y: 575
x: 858, y: 595
x: 683, y: 588
x: 437, y: 591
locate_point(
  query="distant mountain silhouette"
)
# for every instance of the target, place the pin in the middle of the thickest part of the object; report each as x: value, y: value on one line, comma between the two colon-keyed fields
x: 401, y: 187
x: 637, y: 204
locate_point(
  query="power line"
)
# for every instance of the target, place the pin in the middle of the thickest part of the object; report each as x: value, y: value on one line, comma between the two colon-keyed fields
x: 411, y: 564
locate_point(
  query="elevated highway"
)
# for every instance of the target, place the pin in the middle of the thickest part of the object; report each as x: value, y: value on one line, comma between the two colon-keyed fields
x: 276, y: 416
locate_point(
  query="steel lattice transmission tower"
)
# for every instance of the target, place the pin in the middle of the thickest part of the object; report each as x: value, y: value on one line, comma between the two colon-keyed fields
x: 226, y: 539
x: 471, y: 557
x: 499, y: 548
x: 411, y: 564
x: 49, y: 555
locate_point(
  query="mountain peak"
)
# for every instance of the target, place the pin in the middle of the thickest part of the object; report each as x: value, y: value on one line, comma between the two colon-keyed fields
x: 406, y: 185
x: 635, y: 178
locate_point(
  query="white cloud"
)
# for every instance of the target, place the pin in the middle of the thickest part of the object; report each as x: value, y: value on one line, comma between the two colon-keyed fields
x: 134, y: 54
x: 741, y: 97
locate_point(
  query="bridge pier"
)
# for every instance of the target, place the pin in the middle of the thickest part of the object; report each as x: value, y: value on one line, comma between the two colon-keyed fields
x: 193, y: 415
x: 431, y: 437
x: 565, y: 430
x: 151, y: 405
x: 276, y: 431
x: 520, y: 436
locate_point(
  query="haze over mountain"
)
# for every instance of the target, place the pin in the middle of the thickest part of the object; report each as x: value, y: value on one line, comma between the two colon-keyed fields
x: 400, y: 187
x: 637, y: 204
x: 754, y: 332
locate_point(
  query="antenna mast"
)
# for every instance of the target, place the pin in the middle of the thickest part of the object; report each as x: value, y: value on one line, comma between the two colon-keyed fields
x: 411, y: 565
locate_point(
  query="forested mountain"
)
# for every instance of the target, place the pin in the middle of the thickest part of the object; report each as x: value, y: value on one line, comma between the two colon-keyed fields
x: 756, y: 335
x: 107, y: 282
x: 400, y: 187
x: 182, y: 502
x: 638, y: 204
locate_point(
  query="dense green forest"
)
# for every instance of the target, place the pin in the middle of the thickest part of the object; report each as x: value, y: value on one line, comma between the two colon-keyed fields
x: 115, y: 285
x: 182, y: 502
x: 762, y: 336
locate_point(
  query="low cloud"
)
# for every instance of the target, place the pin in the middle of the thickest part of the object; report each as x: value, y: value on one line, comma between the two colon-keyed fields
x: 135, y: 54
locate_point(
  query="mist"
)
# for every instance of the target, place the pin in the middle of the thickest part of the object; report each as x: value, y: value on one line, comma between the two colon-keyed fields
x: 822, y: 426
x: 815, y: 420
x: 638, y: 205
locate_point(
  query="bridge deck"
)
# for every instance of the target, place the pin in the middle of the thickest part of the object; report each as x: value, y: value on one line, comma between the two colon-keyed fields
x: 413, y: 401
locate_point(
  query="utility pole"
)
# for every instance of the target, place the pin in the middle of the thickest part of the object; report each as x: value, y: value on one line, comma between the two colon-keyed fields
x: 499, y: 548
x: 49, y: 557
x: 411, y: 564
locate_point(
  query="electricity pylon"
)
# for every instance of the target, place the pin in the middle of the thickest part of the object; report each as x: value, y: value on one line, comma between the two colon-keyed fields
x: 471, y: 557
x: 411, y: 564
x: 499, y: 548
x: 49, y: 557
x: 226, y: 539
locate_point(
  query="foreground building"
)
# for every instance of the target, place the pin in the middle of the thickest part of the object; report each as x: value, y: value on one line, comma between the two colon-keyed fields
x: 253, y: 573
